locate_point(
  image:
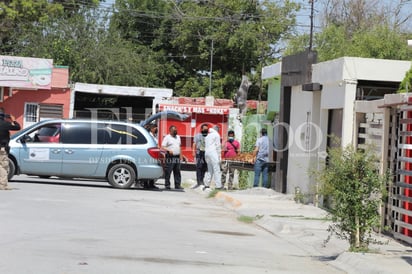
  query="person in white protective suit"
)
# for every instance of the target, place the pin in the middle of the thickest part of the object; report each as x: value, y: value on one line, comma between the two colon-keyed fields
x: 213, y: 149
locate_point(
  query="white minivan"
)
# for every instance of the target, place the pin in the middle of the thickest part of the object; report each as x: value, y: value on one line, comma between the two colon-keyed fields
x: 120, y: 152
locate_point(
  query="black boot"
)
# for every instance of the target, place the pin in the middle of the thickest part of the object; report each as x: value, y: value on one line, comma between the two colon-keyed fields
x: 151, y: 185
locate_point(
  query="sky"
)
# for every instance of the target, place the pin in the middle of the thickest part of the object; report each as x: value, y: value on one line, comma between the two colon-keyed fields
x: 303, y: 17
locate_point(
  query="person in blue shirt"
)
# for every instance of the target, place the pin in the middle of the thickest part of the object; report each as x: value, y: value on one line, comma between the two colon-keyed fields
x: 260, y: 159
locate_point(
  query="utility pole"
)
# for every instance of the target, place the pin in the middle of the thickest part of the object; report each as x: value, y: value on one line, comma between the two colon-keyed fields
x: 311, y: 24
x: 406, y: 84
x: 211, y: 70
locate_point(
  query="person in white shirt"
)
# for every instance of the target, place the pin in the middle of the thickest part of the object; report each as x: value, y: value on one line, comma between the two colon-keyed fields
x: 213, y: 151
x: 172, y: 145
x: 152, y: 129
x: 153, y: 132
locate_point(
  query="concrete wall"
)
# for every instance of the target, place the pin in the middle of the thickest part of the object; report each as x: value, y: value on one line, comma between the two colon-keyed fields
x: 304, y: 139
x: 272, y: 73
x: 339, y: 79
x: 273, y: 95
x: 355, y: 68
x: 15, y: 99
x: 15, y: 104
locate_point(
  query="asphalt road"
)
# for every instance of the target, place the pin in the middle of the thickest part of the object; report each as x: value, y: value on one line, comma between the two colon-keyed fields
x: 57, y: 226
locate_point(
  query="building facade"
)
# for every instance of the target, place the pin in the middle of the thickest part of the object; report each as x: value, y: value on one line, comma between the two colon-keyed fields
x: 321, y: 112
x: 33, y: 89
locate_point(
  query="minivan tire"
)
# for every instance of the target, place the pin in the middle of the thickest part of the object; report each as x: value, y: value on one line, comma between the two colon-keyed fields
x: 121, y: 176
x: 12, y: 169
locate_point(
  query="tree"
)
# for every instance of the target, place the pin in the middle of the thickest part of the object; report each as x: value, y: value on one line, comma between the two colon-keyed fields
x: 356, y: 188
x: 380, y: 42
x: 154, y: 42
x: 244, y: 35
x: 361, y: 28
x: 355, y: 14
x: 249, y: 137
x: 18, y: 16
x: 141, y: 21
x: 406, y: 84
x: 93, y: 52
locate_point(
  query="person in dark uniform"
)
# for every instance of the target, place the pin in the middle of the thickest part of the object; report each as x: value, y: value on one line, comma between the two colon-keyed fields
x: 7, y: 123
x: 199, y: 148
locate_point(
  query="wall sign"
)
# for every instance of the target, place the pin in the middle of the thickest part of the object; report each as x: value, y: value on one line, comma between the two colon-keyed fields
x: 195, y: 109
x: 24, y: 72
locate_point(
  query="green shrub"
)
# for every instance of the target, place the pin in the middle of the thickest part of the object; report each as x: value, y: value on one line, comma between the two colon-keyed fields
x: 244, y: 176
x: 249, y: 137
x: 355, y: 187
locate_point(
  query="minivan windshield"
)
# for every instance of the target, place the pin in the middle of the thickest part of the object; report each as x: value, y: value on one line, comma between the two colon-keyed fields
x: 23, y: 129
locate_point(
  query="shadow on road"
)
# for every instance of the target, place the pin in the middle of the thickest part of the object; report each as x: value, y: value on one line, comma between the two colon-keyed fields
x: 70, y: 182
x: 76, y: 182
x: 59, y: 182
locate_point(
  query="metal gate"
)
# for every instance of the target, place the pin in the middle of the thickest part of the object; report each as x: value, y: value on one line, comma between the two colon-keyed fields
x: 398, y: 208
x: 386, y: 127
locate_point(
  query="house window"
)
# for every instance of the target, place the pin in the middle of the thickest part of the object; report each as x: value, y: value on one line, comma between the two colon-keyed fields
x: 48, y: 111
x: 31, y: 112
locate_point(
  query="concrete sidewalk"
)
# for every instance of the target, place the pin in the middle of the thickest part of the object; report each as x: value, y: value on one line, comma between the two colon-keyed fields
x: 305, y: 226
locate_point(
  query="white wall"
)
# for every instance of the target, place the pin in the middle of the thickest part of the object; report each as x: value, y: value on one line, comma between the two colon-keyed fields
x: 355, y: 68
x: 339, y: 79
x: 348, y: 114
x: 234, y: 123
x: 272, y: 71
x: 333, y: 95
x: 158, y: 94
x: 305, y: 109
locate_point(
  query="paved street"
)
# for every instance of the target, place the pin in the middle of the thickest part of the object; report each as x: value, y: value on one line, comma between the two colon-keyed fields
x: 57, y: 226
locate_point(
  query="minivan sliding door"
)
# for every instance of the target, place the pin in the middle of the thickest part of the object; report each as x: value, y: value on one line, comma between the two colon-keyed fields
x: 82, y: 149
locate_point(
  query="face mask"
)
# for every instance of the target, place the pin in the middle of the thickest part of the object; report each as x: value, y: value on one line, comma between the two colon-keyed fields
x: 231, y: 138
x: 204, y: 133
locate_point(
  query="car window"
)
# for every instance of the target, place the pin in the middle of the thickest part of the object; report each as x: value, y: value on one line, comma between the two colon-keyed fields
x: 122, y: 134
x: 76, y: 133
x: 49, y: 133
x: 84, y: 133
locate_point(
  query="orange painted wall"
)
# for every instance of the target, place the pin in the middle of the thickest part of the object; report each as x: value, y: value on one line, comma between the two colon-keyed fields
x: 15, y: 104
x: 59, y: 94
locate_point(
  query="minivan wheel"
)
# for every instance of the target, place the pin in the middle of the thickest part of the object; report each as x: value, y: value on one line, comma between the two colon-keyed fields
x: 12, y: 169
x: 121, y: 176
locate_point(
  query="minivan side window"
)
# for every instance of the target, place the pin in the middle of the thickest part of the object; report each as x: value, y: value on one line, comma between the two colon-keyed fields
x: 76, y: 133
x: 122, y: 134
x: 49, y: 133
x: 84, y: 133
